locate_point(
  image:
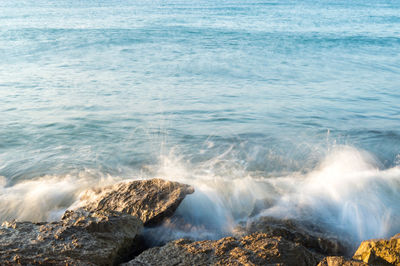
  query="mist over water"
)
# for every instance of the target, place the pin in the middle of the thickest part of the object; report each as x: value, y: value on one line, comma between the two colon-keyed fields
x: 288, y: 109
x: 347, y: 193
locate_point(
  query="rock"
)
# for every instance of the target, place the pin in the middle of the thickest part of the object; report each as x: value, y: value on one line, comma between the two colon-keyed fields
x: 380, y: 251
x: 80, y: 238
x: 103, y: 231
x: 309, y: 236
x: 254, y: 249
x: 340, y: 261
x: 151, y: 200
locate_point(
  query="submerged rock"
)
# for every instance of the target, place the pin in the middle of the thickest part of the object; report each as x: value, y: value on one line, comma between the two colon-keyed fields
x: 80, y: 238
x: 309, y: 236
x: 254, y: 249
x: 340, y: 261
x: 151, y: 200
x: 380, y: 251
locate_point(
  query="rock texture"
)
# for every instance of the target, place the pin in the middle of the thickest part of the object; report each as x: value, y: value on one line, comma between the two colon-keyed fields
x: 254, y: 249
x: 104, y: 231
x: 150, y: 200
x: 340, y: 261
x: 380, y: 251
x: 309, y: 236
x: 80, y: 238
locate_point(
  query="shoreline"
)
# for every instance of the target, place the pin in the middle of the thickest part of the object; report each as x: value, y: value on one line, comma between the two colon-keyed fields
x: 107, y: 229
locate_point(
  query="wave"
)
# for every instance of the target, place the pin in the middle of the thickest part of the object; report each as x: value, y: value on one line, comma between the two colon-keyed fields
x: 347, y: 192
x: 46, y: 198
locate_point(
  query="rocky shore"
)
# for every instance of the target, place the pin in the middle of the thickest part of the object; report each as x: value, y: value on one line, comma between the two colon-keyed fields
x: 106, y: 227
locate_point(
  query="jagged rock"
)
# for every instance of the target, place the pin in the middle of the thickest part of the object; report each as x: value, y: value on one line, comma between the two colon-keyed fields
x: 103, y: 231
x: 380, y: 251
x: 309, y: 236
x: 340, y: 261
x: 254, y: 249
x: 80, y: 238
x: 151, y: 200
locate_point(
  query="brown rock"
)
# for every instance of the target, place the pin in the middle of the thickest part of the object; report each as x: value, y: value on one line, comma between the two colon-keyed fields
x: 103, y: 232
x: 309, y: 236
x: 80, y: 238
x: 380, y: 251
x: 340, y: 261
x: 254, y: 249
x: 151, y: 200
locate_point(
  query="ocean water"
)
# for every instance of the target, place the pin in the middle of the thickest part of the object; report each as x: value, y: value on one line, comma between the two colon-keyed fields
x: 282, y: 108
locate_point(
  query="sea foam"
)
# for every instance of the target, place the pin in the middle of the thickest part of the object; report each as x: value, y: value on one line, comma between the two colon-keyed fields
x: 348, y: 192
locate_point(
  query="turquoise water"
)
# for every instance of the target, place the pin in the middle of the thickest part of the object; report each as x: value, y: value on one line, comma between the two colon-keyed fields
x: 294, y: 101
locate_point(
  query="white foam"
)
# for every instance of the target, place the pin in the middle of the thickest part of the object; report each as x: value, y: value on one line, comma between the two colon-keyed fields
x: 348, y: 192
x: 45, y: 198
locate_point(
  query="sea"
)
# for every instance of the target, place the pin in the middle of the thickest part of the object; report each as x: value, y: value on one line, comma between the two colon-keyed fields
x: 282, y: 108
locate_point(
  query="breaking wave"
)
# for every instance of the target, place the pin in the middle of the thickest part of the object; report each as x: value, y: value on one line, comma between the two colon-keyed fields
x: 347, y: 192
x: 46, y: 198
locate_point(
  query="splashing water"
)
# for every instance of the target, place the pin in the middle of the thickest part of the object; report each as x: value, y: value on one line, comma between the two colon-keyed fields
x: 241, y: 97
x: 46, y: 198
x: 347, y: 192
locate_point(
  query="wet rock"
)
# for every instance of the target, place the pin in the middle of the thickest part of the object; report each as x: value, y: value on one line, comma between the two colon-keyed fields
x: 254, y: 249
x: 80, y: 238
x: 104, y: 230
x: 380, y: 251
x: 309, y: 236
x: 340, y: 261
x: 151, y: 200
